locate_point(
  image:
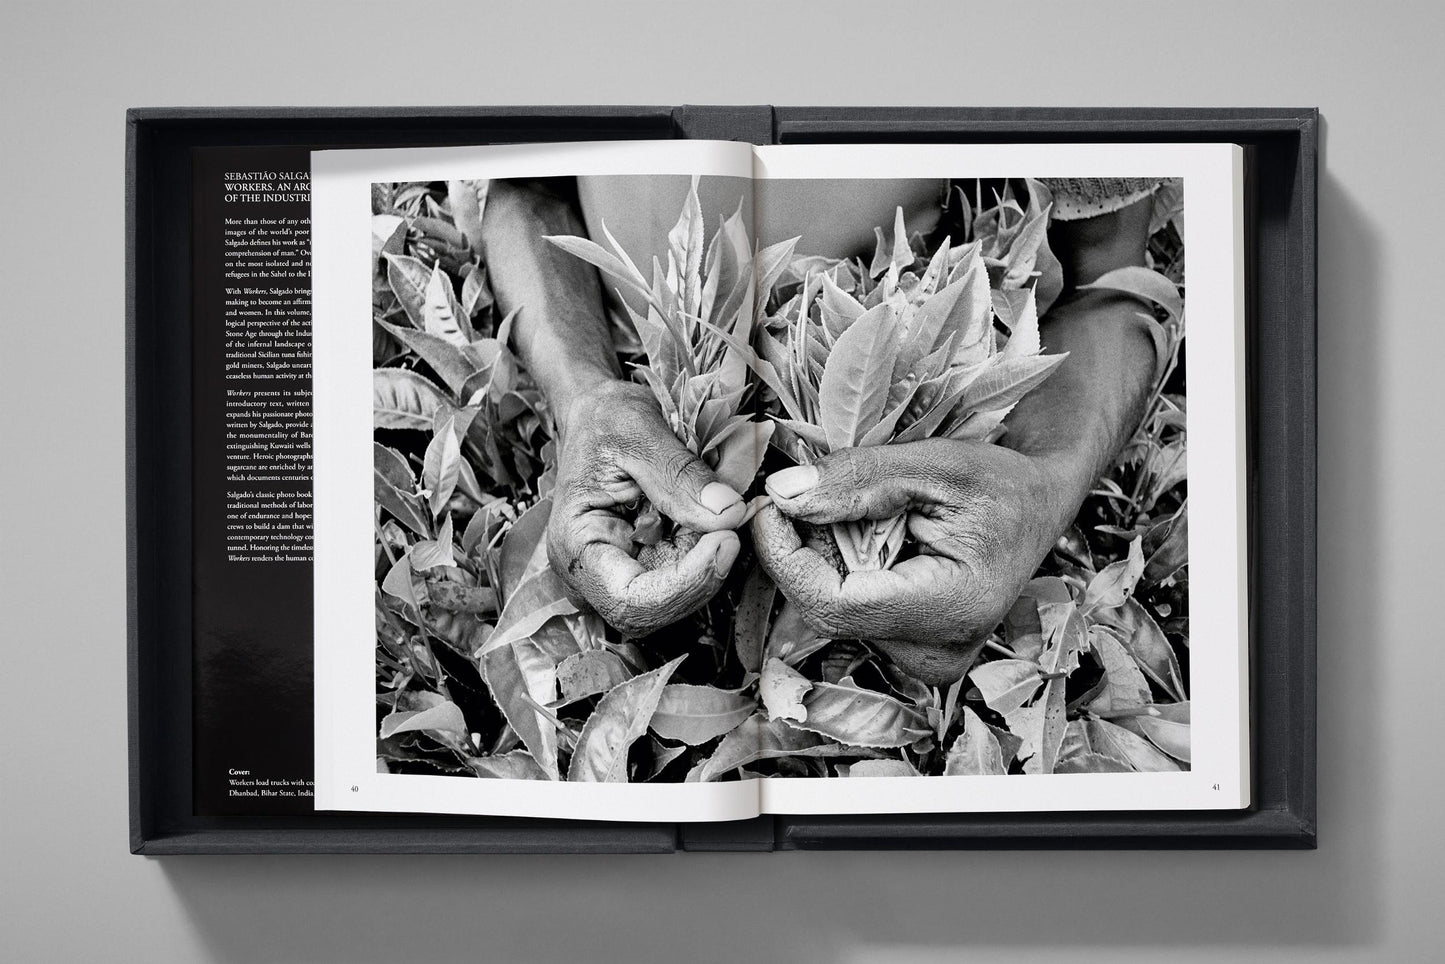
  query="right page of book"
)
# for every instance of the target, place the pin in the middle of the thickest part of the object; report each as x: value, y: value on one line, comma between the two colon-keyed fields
x: 1005, y: 538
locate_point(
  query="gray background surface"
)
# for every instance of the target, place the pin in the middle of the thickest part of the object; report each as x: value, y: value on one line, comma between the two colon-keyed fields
x: 72, y: 892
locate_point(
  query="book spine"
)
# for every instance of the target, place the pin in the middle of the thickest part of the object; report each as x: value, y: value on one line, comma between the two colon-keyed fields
x: 750, y: 124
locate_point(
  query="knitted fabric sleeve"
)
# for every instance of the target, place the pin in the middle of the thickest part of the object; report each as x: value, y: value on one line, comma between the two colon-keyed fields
x: 1076, y: 198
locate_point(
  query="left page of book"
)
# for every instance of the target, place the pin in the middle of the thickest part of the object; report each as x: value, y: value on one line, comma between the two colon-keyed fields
x: 468, y: 319
x: 251, y: 496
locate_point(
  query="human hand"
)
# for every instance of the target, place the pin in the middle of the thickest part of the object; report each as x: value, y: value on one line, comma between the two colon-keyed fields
x: 981, y: 516
x: 616, y: 448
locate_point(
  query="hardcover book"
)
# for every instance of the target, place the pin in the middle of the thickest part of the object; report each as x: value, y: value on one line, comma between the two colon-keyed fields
x: 711, y: 480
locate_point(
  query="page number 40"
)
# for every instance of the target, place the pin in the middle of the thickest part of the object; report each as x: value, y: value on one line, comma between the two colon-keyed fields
x: 354, y: 788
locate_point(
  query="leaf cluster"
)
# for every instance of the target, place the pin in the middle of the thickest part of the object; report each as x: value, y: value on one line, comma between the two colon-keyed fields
x: 911, y: 346
x: 486, y: 669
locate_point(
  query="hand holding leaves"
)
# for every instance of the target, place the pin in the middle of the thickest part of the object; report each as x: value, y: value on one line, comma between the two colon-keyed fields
x: 616, y: 450
x: 977, y: 513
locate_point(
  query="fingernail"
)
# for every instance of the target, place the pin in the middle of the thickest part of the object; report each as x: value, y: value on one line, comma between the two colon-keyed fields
x: 718, y: 498
x: 727, y: 553
x: 791, y: 483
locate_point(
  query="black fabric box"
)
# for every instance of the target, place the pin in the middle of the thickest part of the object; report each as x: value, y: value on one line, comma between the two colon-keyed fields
x: 1281, y: 155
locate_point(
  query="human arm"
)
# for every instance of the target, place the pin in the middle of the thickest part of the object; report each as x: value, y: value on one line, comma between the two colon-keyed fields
x: 982, y: 516
x: 614, y: 447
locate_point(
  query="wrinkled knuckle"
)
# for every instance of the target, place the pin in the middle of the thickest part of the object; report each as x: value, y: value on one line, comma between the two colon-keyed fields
x: 855, y: 469
x: 975, y: 611
x: 622, y: 615
x: 821, y: 621
x: 821, y: 612
x: 677, y: 465
x: 562, y: 551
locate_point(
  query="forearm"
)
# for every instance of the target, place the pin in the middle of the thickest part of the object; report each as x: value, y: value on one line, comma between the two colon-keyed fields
x: 1078, y: 419
x: 560, y: 330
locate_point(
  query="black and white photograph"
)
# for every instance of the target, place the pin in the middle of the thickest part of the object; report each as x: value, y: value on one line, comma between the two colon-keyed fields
x: 684, y: 479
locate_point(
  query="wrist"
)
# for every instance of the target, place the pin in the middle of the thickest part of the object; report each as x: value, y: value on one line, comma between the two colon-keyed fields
x: 1066, y: 483
x: 583, y: 394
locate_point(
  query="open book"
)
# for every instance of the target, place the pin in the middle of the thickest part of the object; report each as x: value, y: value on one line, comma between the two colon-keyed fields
x: 710, y: 480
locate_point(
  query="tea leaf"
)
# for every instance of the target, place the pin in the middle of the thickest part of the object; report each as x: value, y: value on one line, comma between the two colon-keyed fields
x: 1055, y: 721
x: 491, y: 377
x: 855, y: 381
x: 976, y: 751
x: 792, y: 640
x: 741, y: 455
x: 768, y: 266
x: 1006, y: 684
x: 608, y: 264
x: 685, y: 242
x: 1024, y: 249
x: 518, y: 622
x: 878, y: 768
x: 524, y: 548
x: 444, y: 721
x: 696, y: 714
x: 662, y: 755
x: 431, y: 553
x: 808, y: 432
x: 1115, y: 741
x: 408, y: 278
x: 1168, y: 547
x: 750, y: 618
x: 1090, y: 762
x: 1026, y: 725
x: 458, y: 597
x: 1164, y: 725
x: 1124, y: 684
x: 516, y: 765
x: 1002, y: 384
x: 849, y: 714
x: 838, y: 308
x: 1147, y: 643
x: 880, y: 433
x: 403, y: 399
x: 781, y: 689
x: 521, y: 678
x: 392, y: 467
x: 1141, y: 282
x: 757, y: 738
x: 476, y: 296
x: 1166, y: 470
x: 1018, y: 309
x: 959, y: 310
x: 445, y: 357
x: 466, y: 199
x: 620, y: 718
x: 893, y: 252
x: 927, y: 424
x: 1115, y: 583
x: 589, y: 673
x: 440, y: 468
x: 442, y: 316
x: 729, y: 268
x: 403, y: 505
x: 388, y: 233
x: 1022, y: 629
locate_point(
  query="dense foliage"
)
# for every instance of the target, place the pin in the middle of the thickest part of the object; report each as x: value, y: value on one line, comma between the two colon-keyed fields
x: 485, y: 668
